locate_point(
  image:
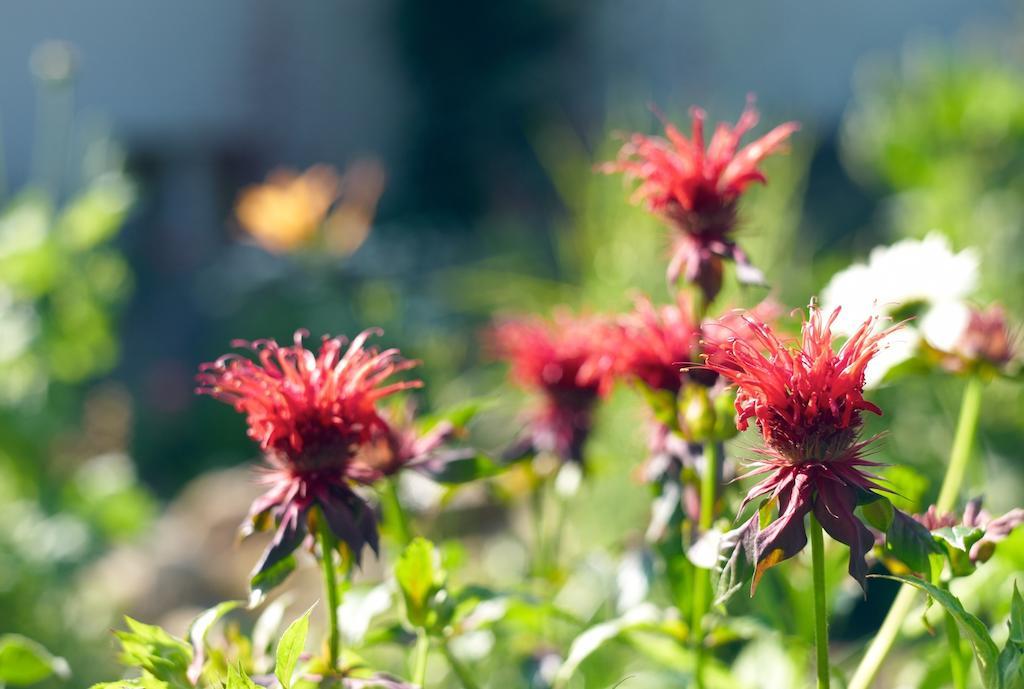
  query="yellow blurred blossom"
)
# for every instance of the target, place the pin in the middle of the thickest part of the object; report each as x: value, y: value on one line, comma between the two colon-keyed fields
x: 289, y: 210
x: 286, y: 211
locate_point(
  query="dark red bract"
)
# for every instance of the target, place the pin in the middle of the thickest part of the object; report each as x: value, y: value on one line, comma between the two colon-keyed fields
x: 807, y: 401
x: 696, y: 189
x: 314, y: 416
x: 568, y: 361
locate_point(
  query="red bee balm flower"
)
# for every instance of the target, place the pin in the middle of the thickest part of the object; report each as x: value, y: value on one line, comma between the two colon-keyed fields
x: 807, y: 402
x: 312, y: 415
x: 568, y: 360
x: 657, y: 341
x: 696, y: 189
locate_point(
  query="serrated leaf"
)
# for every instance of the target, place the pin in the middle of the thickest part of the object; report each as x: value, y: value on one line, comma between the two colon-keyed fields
x: 163, y: 656
x: 985, y: 651
x: 24, y: 661
x: 266, y: 580
x: 290, y: 647
x: 420, y: 576
x: 197, y: 635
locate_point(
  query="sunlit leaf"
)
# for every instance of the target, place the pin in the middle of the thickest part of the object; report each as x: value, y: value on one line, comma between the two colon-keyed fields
x: 646, y: 616
x: 238, y: 679
x: 878, y: 512
x: 266, y: 580
x: 360, y: 607
x: 420, y: 576
x: 957, y: 542
x: 1011, y: 659
x: 197, y: 635
x: 152, y: 649
x: 24, y: 661
x: 96, y: 214
x: 290, y: 647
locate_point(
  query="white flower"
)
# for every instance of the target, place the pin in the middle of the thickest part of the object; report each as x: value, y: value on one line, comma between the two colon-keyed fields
x: 920, y: 276
x: 945, y: 324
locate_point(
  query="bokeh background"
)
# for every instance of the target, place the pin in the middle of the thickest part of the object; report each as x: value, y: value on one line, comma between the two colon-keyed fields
x: 125, y: 147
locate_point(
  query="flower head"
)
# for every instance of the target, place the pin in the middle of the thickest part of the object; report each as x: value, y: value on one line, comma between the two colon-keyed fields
x: 568, y: 361
x: 807, y: 402
x: 967, y: 338
x: 657, y: 341
x: 696, y: 188
x: 993, y: 529
x: 315, y: 418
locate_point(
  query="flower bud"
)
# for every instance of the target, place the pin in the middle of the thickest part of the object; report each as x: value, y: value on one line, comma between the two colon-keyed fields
x: 725, y: 414
x: 696, y: 414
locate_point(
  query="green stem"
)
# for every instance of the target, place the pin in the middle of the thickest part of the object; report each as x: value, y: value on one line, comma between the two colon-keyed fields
x: 702, y: 578
x: 963, y: 443
x: 419, y: 668
x: 397, y: 512
x: 820, y: 605
x: 333, y: 594
x: 885, y: 637
x: 555, y: 545
x: 458, y: 668
x: 538, y: 509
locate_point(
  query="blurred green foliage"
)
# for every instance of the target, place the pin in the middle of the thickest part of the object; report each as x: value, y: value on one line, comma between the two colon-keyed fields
x: 68, y: 491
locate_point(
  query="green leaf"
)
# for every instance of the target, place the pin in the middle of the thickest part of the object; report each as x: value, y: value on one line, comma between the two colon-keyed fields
x: 735, y: 565
x: 420, y: 576
x: 95, y: 215
x: 458, y: 415
x: 957, y: 542
x: 645, y: 617
x: 197, y: 635
x: 462, y: 469
x: 878, y: 512
x: 266, y: 580
x: 237, y: 679
x: 1016, y: 623
x: 985, y: 651
x: 164, y: 657
x: 290, y: 647
x: 1011, y: 659
x: 24, y: 661
x: 910, y: 543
